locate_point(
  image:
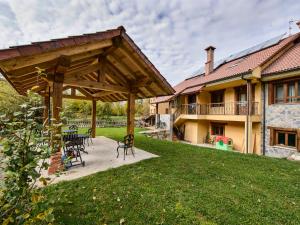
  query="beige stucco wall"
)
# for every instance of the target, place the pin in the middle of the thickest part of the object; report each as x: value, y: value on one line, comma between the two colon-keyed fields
x: 203, y: 129
x: 191, y: 131
x: 196, y: 131
x: 203, y: 98
x: 236, y: 131
x: 257, y: 96
x: 256, y: 138
x: 162, y: 107
x: 229, y: 95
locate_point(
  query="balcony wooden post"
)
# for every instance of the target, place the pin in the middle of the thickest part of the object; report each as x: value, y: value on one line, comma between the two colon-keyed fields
x: 249, y: 97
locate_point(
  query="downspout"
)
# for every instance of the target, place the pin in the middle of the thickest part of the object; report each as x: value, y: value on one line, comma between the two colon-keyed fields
x: 264, y: 118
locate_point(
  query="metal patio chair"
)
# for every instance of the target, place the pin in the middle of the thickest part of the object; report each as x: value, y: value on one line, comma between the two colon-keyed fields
x: 126, y: 144
x: 72, y: 153
x: 74, y: 127
x: 89, y: 136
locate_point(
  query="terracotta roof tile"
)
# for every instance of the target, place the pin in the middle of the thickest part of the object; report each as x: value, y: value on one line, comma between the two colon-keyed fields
x: 179, y: 88
x: 288, y: 61
x: 244, y: 64
x: 192, y: 90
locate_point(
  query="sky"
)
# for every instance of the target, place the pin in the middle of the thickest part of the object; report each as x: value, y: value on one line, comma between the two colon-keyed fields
x: 171, y: 33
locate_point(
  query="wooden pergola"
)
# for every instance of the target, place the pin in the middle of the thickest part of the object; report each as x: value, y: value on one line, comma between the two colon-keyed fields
x: 106, y: 66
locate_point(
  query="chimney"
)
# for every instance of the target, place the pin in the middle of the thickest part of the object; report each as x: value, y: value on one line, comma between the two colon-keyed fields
x: 298, y: 24
x: 209, y: 65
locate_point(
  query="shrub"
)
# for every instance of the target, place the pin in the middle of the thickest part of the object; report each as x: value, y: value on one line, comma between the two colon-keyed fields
x: 24, y: 153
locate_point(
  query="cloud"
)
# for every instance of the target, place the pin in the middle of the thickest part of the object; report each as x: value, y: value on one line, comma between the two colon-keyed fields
x: 172, y: 34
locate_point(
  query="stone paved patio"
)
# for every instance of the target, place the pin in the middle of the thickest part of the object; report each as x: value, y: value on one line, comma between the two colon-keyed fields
x: 101, y: 156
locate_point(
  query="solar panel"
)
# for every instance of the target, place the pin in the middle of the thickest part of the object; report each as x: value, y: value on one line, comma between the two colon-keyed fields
x: 240, y: 54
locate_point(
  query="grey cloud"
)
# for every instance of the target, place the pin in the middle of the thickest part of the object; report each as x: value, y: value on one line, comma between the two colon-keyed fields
x: 172, y: 34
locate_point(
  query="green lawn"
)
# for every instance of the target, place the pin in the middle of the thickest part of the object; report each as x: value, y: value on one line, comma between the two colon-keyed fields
x: 185, y: 185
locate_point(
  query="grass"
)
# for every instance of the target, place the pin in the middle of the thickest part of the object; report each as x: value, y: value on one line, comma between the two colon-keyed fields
x: 185, y: 185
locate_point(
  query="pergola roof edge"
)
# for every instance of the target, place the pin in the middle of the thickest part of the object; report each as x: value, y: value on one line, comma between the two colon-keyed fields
x: 145, y: 58
x: 127, y: 66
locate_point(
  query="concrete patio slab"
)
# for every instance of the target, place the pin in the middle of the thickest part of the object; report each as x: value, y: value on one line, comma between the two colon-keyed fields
x: 101, y: 156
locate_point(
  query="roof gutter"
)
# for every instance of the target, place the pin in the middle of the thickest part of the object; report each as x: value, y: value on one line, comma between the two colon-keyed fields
x: 231, y: 78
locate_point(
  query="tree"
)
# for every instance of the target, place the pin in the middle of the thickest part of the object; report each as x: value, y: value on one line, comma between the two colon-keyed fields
x: 118, y: 109
x: 142, y: 107
x: 10, y: 100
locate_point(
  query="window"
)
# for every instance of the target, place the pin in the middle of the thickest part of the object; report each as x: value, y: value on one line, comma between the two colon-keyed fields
x: 167, y: 111
x: 217, y: 129
x: 217, y: 96
x: 291, y: 96
x: 279, y: 97
x: 286, y: 138
x: 285, y: 92
x: 192, y: 99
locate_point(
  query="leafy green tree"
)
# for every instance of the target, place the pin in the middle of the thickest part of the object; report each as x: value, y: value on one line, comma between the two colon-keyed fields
x: 118, y: 109
x: 10, y: 100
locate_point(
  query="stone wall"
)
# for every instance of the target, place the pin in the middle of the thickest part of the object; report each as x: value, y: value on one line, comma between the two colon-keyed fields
x: 284, y: 116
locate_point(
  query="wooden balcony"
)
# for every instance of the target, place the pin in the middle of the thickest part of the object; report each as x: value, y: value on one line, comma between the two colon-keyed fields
x: 221, y: 109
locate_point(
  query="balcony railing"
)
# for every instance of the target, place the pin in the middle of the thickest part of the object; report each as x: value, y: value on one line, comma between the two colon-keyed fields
x: 227, y: 108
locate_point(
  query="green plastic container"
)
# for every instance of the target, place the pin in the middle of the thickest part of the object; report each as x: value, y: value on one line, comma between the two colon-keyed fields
x: 226, y: 147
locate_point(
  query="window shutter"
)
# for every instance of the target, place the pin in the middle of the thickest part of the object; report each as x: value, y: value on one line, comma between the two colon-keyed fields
x: 271, y: 93
x: 271, y: 136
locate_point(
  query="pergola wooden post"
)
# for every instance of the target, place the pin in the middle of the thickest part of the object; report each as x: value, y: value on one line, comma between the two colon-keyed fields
x: 46, y: 109
x: 94, y: 109
x: 55, y: 160
x: 130, y: 113
x: 57, y: 100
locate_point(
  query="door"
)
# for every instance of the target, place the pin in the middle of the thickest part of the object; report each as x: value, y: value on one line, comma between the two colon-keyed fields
x: 242, y: 101
x: 192, y: 104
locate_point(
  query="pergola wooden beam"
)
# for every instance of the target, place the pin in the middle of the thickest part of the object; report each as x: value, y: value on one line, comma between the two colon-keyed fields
x: 84, y: 92
x: 101, y: 71
x: 94, y: 85
x: 102, y: 93
x: 141, y: 83
x: 115, y: 73
x: 78, y: 97
x: 83, y: 71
